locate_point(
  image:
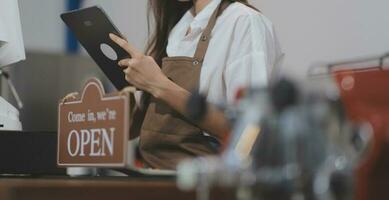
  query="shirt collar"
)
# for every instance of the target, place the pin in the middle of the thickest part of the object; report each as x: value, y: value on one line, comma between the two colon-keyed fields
x: 201, y: 19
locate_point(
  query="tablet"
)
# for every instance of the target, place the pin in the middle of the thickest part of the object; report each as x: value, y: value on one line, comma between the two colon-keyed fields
x: 92, y: 26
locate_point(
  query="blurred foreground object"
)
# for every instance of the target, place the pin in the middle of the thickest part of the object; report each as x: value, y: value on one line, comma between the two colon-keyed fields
x: 364, y: 92
x: 11, y: 51
x: 285, y: 144
x: 324, y: 139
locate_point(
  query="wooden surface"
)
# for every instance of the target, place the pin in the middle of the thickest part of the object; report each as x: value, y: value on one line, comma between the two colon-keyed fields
x: 96, y: 189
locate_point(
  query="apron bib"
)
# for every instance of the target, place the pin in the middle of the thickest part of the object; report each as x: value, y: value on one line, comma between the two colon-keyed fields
x: 166, y: 136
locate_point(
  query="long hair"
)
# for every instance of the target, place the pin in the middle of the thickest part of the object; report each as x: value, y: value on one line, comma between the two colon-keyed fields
x: 167, y: 14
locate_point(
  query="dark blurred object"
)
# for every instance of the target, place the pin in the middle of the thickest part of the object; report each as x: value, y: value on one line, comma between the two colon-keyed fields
x: 301, y: 151
x: 197, y: 106
x: 341, y: 184
x: 29, y: 153
x: 208, y: 116
x: 284, y: 94
x: 285, y: 144
x: 366, y: 98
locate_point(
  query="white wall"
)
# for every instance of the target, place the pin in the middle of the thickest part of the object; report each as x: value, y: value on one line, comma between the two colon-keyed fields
x: 314, y: 31
x: 311, y: 31
x: 42, y: 29
x: 45, y: 31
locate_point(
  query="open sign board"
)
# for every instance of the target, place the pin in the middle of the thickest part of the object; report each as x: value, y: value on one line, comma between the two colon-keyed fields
x: 93, y: 128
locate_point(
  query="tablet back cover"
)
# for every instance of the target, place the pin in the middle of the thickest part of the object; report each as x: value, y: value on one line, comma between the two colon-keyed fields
x: 92, y: 27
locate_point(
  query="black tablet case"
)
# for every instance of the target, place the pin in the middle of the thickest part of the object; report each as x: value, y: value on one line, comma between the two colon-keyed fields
x: 92, y: 26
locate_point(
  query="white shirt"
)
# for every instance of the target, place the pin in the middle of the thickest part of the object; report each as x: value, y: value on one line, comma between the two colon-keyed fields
x: 242, y: 52
x: 11, y: 40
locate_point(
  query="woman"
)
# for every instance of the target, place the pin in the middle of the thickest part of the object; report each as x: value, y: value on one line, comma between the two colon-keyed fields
x: 216, y: 46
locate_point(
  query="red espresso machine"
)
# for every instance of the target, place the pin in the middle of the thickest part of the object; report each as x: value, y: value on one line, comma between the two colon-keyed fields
x: 365, y: 95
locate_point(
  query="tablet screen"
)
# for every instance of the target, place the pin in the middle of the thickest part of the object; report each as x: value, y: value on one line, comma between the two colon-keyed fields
x: 92, y: 26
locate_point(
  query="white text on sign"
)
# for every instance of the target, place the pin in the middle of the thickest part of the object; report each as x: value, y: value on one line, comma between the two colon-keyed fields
x: 98, y: 142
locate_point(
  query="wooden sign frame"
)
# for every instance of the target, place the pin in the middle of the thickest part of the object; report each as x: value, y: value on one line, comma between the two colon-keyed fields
x: 104, y: 117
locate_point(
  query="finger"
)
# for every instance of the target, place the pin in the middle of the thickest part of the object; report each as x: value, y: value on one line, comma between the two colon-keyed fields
x: 128, y: 63
x: 125, y: 45
x: 126, y: 75
x: 129, y: 78
x: 128, y: 71
x: 124, y: 63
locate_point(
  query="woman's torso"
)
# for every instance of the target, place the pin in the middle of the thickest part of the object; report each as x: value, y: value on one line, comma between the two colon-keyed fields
x: 239, y: 50
x: 226, y: 47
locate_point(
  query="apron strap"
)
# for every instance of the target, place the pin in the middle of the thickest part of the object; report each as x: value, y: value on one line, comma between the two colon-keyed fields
x: 205, y: 38
x: 202, y: 46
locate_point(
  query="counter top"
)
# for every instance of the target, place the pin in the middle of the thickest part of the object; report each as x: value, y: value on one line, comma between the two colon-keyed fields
x: 63, y: 188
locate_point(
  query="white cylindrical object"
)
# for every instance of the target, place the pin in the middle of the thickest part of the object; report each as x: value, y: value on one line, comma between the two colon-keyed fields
x: 81, y: 171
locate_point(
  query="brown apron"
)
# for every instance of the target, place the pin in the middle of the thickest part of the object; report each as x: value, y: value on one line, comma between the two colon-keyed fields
x: 166, y: 136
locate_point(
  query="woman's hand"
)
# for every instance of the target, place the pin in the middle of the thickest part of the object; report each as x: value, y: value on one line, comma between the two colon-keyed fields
x: 141, y: 71
x: 145, y: 74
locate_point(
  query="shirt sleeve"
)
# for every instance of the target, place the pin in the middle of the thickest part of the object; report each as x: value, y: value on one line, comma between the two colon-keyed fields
x: 252, y: 56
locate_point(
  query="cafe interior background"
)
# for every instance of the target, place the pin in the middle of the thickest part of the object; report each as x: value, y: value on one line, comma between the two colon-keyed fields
x: 312, y: 33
